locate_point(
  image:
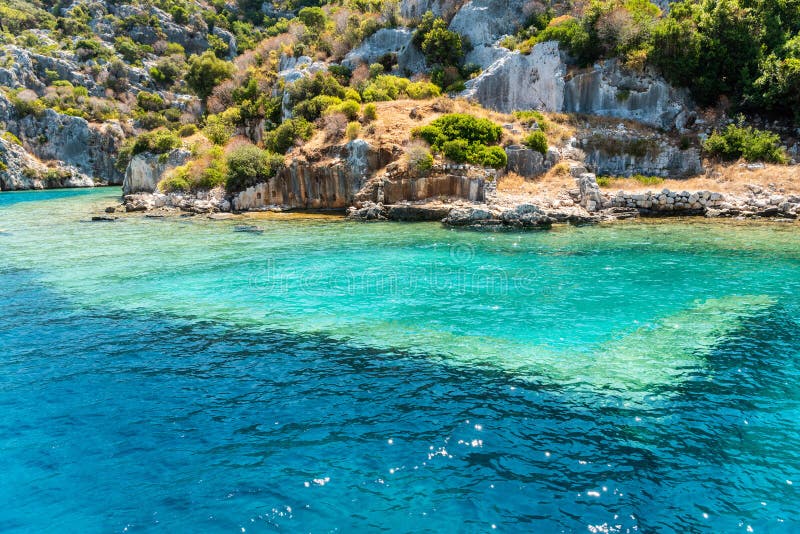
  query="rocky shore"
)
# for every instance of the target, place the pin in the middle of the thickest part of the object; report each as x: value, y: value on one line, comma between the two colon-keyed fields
x: 586, y: 203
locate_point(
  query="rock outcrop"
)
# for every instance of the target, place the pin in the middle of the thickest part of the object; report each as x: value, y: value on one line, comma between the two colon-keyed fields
x: 388, y: 41
x: 621, y: 152
x: 530, y: 163
x: 609, y: 90
x: 542, y: 80
x: 145, y: 170
x: 200, y: 202
x: 329, y: 180
x: 515, y: 81
x: 90, y: 148
x: 19, y: 170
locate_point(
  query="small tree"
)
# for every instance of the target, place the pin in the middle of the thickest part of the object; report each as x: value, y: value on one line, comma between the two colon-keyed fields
x: 248, y: 165
x: 207, y: 71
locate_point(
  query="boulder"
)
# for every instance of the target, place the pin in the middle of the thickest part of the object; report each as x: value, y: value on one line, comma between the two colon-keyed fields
x: 526, y: 216
x: 530, y: 163
x: 145, y: 170
x: 388, y: 41
x: 590, y: 196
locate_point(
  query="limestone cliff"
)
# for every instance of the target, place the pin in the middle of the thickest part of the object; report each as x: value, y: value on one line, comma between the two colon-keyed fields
x: 145, y: 170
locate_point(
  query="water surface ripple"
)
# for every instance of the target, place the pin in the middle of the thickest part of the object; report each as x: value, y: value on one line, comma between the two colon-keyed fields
x: 326, y: 376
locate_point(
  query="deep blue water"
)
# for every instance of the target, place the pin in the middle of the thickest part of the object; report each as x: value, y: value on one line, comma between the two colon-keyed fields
x: 138, y: 396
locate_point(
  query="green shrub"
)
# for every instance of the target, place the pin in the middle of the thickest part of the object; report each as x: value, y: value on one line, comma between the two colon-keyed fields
x: 187, y: 130
x: 158, y: 142
x: 490, y: 156
x: 149, y: 120
x: 440, y: 45
x: 206, y: 72
x: 88, y: 48
x: 456, y: 150
x: 176, y: 182
x: 422, y: 90
x: 168, y: 69
x: 537, y: 141
x: 572, y: 34
x: 604, y: 181
x: 461, y: 126
x: 531, y: 117
x: 352, y: 94
x: 150, y: 101
x: 221, y: 127
x: 375, y: 70
x: 131, y: 51
x: 218, y: 45
x: 248, y: 165
x: 28, y: 106
x: 313, y: 108
x: 215, y: 173
x: 319, y: 84
x: 419, y: 158
x: 739, y: 141
x: 353, y: 130
x: 461, y: 137
x: 370, y: 112
x: 284, y: 136
x: 11, y: 138
x: 647, y: 180
x: 349, y: 108
x: 314, y: 18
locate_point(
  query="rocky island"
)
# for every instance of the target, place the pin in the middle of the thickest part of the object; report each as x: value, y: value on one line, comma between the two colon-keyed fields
x: 481, y: 113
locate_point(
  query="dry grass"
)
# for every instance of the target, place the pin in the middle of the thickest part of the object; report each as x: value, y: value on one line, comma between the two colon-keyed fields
x: 395, y: 122
x: 550, y: 184
x: 729, y: 178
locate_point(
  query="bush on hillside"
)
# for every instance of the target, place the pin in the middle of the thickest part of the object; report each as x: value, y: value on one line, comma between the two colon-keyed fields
x: 739, y: 141
x: 248, y: 165
x: 536, y: 141
x: 284, y: 136
x: 158, y: 142
x: 460, y: 126
x: 370, y: 112
x: 419, y: 158
x: 206, y: 72
x: 464, y: 138
x: 353, y: 130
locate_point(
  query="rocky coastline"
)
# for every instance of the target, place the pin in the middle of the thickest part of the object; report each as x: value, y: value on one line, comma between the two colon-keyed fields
x: 586, y: 203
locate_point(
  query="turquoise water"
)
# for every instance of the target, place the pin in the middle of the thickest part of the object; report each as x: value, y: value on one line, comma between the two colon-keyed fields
x: 333, y: 376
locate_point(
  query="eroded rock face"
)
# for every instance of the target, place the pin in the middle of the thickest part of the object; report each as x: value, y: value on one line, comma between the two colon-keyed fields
x: 325, y: 181
x: 516, y: 81
x: 92, y: 149
x: 21, y: 171
x: 30, y: 69
x: 619, y: 152
x: 607, y: 89
x: 530, y: 163
x: 146, y: 170
x: 590, y: 196
x: 388, y: 41
x: 15, y: 162
x: 541, y: 80
x: 483, y: 22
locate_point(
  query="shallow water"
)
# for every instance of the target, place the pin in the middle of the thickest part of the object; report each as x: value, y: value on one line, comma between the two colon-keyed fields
x: 326, y: 375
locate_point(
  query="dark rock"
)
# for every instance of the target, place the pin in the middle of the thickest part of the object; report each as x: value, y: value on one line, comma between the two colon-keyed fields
x: 410, y: 212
